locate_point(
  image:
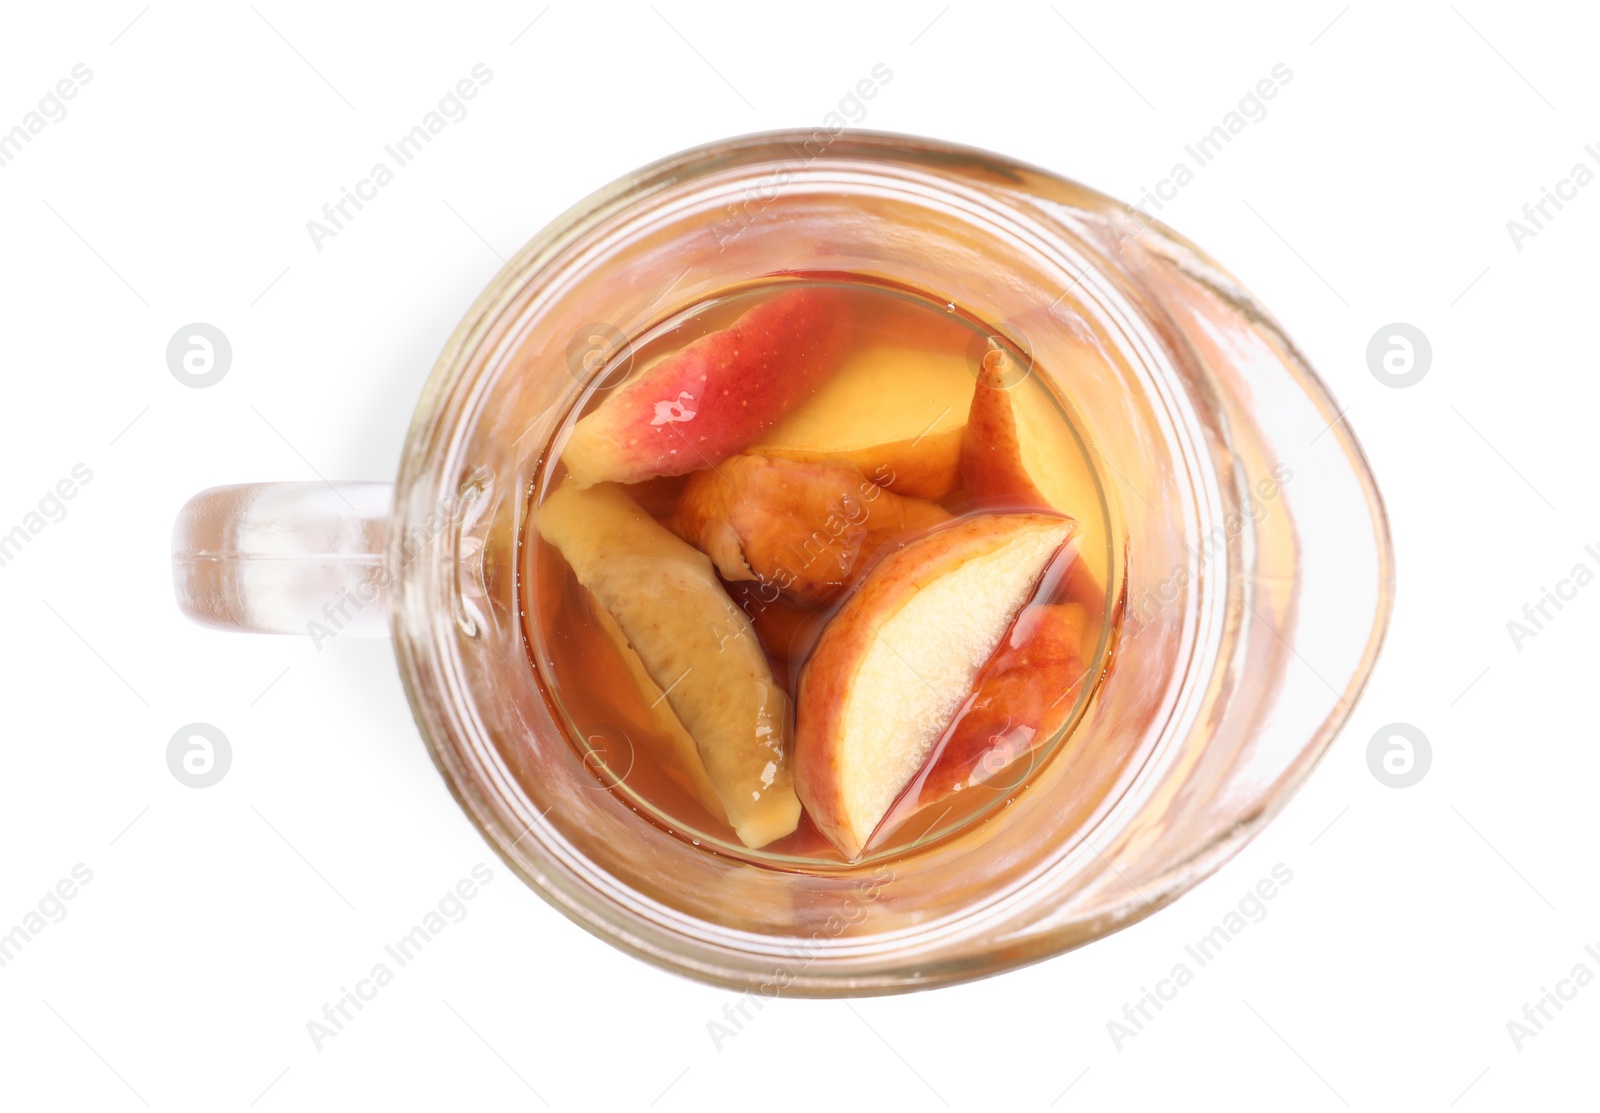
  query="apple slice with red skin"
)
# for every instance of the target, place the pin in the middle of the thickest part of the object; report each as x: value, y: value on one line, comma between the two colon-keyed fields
x: 803, y: 528
x: 994, y: 474
x: 716, y: 396
x: 1024, y: 695
x: 896, y: 663
x: 992, y: 471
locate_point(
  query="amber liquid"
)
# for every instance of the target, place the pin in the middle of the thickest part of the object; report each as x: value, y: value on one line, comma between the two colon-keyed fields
x: 909, y: 376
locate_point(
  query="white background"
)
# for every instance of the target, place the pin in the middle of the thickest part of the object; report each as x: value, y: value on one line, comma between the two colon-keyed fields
x: 177, y: 189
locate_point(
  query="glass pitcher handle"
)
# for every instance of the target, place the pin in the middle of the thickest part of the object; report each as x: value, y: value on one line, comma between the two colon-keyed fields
x: 285, y: 558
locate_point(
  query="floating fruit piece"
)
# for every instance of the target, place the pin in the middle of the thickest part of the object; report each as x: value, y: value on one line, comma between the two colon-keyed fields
x: 895, y: 413
x: 802, y: 528
x: 791, y: 525
x: 787, y: 630
x: 1018, y: 454
x: 716, y: 396
x: 696, y: 646
x: 679, y: 756
x: 992, y: 471
x: 897, y: 662
x: 1024, y: 694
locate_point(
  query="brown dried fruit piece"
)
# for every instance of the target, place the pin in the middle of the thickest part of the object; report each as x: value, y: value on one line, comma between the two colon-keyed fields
x: 802, y: 528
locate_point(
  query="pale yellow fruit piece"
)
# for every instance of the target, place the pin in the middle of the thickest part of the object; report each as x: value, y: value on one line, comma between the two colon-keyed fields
x: 679, y: 753
x: 1056, y: 463
x: 895, y: 413
x: 694, y: 643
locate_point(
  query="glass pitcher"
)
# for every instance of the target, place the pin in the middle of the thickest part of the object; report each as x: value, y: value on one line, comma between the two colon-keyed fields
x: 1254, y: 585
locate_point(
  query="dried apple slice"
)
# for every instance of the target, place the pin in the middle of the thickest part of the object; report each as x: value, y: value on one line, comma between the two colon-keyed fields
x: 895, y: 665
x: 675, y: 750
x: 803, y: 528
x: 895, y: 413
x: 717, y: 396
x: 694, y: 644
